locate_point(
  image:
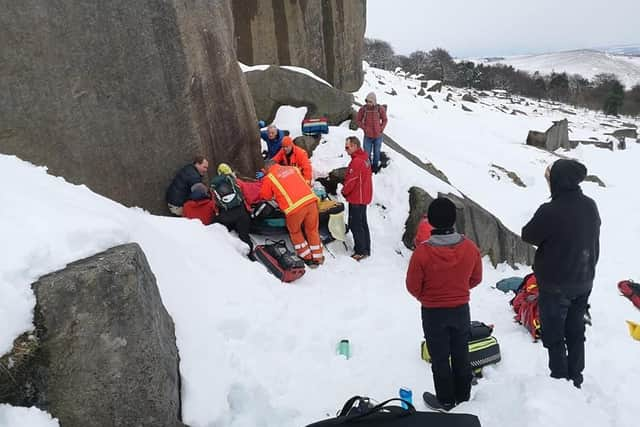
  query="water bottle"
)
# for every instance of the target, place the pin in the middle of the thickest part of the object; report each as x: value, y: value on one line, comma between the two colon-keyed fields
x: 406, y: 394
x: 343, y: 349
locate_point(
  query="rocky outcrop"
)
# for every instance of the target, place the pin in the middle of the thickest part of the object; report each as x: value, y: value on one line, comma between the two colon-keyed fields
x: 278, y: 86
x: 119, y: 95
x: 307, y: 143
x: 469, y: 98
x: 324, y: 36
x: 557, y: 136
x: 104, y: 350
x: 491, y: 236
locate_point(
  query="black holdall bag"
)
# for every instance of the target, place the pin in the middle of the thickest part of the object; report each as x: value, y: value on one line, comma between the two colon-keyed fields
x: 359, y: 412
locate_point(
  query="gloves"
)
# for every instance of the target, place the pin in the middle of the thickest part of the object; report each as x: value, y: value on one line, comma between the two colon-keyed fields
x: 261, y: 124
x: 259, y: 175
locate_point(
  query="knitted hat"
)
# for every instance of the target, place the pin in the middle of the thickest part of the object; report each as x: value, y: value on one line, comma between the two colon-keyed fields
x: 442, y: 213
x: 287, y: 141
x: 371, y: 97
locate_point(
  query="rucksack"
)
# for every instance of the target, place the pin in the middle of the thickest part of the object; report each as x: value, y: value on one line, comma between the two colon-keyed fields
x: 226, y: 192
x: 360, y: 411
x: 525, y: 304
x: 280, y: 260
x: 631, y: 290
x: 483, y: 348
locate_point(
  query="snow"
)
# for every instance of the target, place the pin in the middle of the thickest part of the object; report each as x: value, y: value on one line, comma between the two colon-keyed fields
x: 255, y: 351
x: 587, y: 63
x: 247, y: 68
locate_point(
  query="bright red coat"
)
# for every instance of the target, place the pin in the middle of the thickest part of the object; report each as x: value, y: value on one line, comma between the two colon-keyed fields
x: 442, y: 276
x: 372, y: 120
x: 204, y: 210
x: 358, y: 187
x: 424, y: 232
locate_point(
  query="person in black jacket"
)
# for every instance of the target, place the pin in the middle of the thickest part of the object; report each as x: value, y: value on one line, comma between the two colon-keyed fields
x: 566, y: 231
x: 180, y: 188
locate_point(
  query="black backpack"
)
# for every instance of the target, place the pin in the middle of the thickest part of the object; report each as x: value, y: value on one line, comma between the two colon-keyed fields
x: 226, y: 192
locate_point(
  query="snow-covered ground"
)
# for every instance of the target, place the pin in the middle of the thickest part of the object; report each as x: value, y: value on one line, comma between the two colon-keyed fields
x: 256, y: 352
x: 585, y: 62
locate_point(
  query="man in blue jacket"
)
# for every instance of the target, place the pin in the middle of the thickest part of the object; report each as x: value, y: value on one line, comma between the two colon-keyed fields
x: 273, y: 137
x: 566, y: 231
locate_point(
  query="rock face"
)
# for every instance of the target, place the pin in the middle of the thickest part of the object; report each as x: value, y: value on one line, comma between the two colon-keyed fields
x: 557, y: 136
x: 111, y: 343
x: 105, y: 350
x: 278, y: 86
x: 119, y: 95
x: 491, y: 236
x: 324, y: 36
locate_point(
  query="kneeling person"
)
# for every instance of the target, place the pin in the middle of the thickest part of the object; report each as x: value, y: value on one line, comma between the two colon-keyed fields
x: 231, y: 209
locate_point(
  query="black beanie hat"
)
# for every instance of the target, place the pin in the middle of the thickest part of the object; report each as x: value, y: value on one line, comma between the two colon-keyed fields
x: 442, y: 213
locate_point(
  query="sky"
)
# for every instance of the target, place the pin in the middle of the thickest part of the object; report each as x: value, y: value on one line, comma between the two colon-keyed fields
x: 503, y: 27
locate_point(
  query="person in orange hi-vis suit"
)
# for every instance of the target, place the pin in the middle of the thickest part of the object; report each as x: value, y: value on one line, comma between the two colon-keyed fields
x: 299, y: 204
x: 292, y: 155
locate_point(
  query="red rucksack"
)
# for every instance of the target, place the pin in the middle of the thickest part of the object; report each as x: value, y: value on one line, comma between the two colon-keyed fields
x: 630, y: 290
x: 525, y: 304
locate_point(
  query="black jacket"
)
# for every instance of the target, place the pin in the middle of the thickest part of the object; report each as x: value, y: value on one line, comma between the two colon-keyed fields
x: 566, y: 231
x: 180, y: 188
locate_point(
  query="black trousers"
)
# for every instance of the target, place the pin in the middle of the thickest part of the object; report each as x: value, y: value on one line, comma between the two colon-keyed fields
x: 562, y: 325
x: 446, y: 331
x: 360, y: 229
x: 237, y: 219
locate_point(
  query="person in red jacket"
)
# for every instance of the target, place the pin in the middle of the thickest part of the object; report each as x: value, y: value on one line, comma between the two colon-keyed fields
x: 441, y: 273
x: 292, y: 155
x: 358, y: 190
x: 200, y: 205
x: 372, y: 119
x: 424, y: 232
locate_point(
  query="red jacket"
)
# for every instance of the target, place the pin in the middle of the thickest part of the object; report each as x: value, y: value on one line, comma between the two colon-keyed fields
x: 204, y: 210
x: 372, y: 120
x: 424, y: 232
x: 442, y: 276
x: 357, y: 187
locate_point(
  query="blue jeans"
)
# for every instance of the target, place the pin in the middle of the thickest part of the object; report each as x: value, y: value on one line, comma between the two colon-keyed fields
x: 373, y: 144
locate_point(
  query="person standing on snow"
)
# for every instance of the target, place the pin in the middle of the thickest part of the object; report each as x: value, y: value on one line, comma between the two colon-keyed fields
x: 566, y: 231
x: 358, y: 190
x: 372, y: 119
x: 441, y: 273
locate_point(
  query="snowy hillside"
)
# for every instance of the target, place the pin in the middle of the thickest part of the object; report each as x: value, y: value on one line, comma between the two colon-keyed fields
x: 256, y: 352
x: 587, y: 63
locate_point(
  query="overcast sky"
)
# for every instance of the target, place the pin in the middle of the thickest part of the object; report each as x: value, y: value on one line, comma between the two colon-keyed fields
x: 468, y: 28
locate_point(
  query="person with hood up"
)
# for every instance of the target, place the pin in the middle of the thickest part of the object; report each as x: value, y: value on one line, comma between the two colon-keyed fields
x: 372, y: 119
x: 441, y: 273
x: 358, y: 190
x: 566, y: 231
x: 200, y: 204
x: 292, y: 155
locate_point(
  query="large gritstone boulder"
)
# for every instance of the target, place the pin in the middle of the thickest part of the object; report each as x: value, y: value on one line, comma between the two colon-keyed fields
x: 104, y: 350
x: 324, y: 36
x: 119, y: 95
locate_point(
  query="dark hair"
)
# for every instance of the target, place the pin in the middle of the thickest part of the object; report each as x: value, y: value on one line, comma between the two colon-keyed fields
x: 198, y: 159
x: 353, y: 140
